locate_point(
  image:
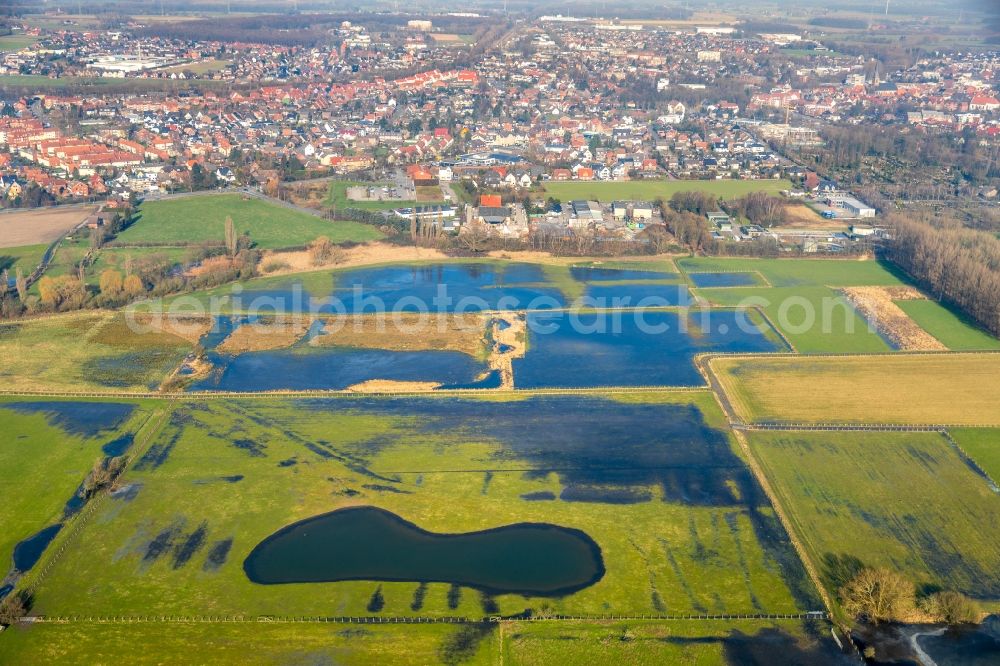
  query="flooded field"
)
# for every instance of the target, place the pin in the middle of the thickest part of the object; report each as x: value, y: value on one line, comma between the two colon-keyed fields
x: 629, y: 349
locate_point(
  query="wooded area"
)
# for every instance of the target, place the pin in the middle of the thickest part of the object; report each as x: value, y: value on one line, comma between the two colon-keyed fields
x: 958, y: 266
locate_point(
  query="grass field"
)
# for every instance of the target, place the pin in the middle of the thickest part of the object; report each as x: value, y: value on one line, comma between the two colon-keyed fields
x: 26, y: 257
x: 39, y: 83
x: 649, y: 190
x: 201, y: 219
x: 85, y: 351
x: 959, y: 389
x: 983, y: 446
x: 42, y: 464
x: 906, y: 501
x: 814, y: 319
x: 16, y: 42
x: 656, y: 643
x: 681, y: 524
x: 800, y: 272
x: 257, y: 643
x: 953, y: 330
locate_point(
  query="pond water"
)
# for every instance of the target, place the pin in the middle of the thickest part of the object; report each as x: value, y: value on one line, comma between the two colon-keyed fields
x: 368, y: 543
x: 624, y: 349
x: 27, y: 552
x: 724, y: 279
x: 316, y: 368
x: 965, y: 646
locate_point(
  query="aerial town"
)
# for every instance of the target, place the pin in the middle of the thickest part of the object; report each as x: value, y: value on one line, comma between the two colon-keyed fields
x: 500, y: 332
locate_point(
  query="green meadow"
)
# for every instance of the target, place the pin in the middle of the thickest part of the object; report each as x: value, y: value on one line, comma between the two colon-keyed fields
x: 257, y: 643
x: 983, y: 446
x: 687, y: 531
x: 649, y: 190
x: 42, y: 464
x: 953, y: 330
x: 907, y: 501
x: 201, y: 219
x: 90, y: 350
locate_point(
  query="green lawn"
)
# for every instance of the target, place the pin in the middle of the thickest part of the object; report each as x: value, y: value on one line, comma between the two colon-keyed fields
x: 42, y: 464
x: 199, y: 219
x: 800, y: 272
x: 983, y: 446
x: 649, y: 190
x: 85, y: 351
x: 954, y: 330
x: 26, y: 257
x: 906, y: 501
x: 243, y: 469
x: 256, y: 643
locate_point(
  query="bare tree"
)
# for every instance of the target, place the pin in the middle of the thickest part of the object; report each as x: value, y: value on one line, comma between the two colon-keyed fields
x: 21, y: 284
x: 474, y: 235
x: 878, y: 595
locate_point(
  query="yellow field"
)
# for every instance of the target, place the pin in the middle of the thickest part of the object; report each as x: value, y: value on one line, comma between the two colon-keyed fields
x: 899, y: 389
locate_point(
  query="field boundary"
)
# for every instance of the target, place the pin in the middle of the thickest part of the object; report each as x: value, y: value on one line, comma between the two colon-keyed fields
x: 408, y: 619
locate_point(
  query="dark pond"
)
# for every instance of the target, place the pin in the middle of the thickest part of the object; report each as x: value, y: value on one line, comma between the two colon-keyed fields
x: 84, y: 419
x: 492, y: 380
x: 629, y: 349
x: 317, y: 368
x: 724, y: 279
x: 368, y: 543
x: 27, y: 552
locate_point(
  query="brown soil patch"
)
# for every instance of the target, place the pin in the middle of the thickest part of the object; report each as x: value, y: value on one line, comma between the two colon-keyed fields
x: 191, y: 329
x: 362, y: 255
x: 408, y: 332
x: 275, y: 333
x: 876, y: 305
x: 389, y: 386
x: 35, y: 227
x: 800, y: 216
x: 515, y: 340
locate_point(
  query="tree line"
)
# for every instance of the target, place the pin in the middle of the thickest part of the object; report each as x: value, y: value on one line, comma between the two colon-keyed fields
x: 960, y: 267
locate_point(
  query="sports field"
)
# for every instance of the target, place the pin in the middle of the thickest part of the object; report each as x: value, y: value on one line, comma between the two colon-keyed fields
x: 907, y: 501
x: 199, y: 219
x: 649, y: 190
x: 957, y: 389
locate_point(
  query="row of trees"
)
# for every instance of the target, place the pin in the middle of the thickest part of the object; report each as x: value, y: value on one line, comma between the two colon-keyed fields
x: 958, y: 266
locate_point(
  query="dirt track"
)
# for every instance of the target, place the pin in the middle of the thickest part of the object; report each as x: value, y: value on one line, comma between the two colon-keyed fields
x: 37, y: 227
